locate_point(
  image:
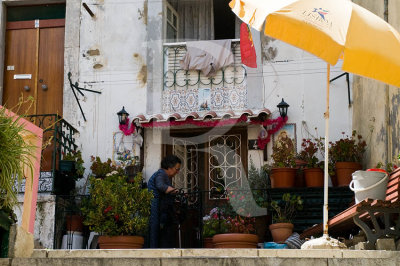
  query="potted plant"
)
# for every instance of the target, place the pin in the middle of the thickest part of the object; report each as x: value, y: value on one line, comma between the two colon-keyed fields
x: 73, y: 161
x: 101, y: 169
x: 15, y: 162
x: 259, y: 183
x: 240, y: 224
x: 240, y: 233
x: 71, y: 169
x: 118, y: 210
x: 283, y: 172
x: 346, y: 154
x: 213, y: 223
x: 284, y: 211
x: 313, y: 168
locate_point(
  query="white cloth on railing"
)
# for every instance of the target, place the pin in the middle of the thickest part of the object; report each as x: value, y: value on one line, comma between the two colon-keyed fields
x: 207, y: 56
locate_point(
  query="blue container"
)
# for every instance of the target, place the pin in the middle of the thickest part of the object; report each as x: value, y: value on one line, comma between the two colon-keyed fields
x: 273, y: 245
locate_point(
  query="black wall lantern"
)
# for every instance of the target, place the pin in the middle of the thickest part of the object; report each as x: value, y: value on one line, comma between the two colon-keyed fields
x: 122, y: 116
x: 283, y: 107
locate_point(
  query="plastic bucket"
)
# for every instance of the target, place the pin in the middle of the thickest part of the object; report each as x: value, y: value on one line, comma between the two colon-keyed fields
x: 369, y: 184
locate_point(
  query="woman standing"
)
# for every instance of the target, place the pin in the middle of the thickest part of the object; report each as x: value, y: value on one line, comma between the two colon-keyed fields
x: 161, y: 217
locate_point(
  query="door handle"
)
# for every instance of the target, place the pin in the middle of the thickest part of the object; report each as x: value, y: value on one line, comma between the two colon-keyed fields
x: 27, y: 88
x: 44, y: 87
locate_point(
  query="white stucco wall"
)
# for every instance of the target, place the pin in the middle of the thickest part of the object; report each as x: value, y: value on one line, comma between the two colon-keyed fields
x: 300, y: 78
x: 152, y: 152
x: 112, y: 59
x: 113, y: 56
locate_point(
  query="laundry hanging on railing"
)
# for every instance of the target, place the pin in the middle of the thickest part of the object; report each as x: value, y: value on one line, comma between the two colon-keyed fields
x: 207, y: 56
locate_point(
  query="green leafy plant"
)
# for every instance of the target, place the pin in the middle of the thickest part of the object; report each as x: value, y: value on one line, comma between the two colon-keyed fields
x: 347, y: 149
x: 214, y: 223
x: 15, y: 157
x: 389, y: 167
x: 76, y: 156
x: 258, y: 178
x: 259, y: 182
x: 116, y: 207
x: 282, y: 156
x: 285, y: 209
x: 99, y: 168
x: 309, y: 149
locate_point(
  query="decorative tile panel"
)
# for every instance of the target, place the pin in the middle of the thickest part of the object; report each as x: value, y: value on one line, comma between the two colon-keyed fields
x: 220, y: 99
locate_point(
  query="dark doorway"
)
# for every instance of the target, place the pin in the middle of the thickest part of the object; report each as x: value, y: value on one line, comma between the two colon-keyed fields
x: 224, y: 20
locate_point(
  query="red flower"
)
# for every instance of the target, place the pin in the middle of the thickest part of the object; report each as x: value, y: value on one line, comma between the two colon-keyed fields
x: 116, y: 217
x: 109, y: 208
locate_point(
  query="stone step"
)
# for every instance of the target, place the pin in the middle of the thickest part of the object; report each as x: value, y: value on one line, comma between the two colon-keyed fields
x: 210, y: 257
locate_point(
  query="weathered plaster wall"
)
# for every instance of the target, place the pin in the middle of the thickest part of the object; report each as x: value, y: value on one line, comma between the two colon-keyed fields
x: 154, y: 56
x: 45, y: 218
x: 257, y: 156
x: 112, y: 59
x: 152, y: 152
x: 375, y: 103
x: 300, y: 78
x: 394, y: 93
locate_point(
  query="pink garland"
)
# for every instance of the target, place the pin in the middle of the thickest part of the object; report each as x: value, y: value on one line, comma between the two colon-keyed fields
x: 125, y: 128
x: 277, y: 124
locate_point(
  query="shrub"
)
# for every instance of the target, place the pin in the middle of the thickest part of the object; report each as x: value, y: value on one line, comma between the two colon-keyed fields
x: 116, y: 207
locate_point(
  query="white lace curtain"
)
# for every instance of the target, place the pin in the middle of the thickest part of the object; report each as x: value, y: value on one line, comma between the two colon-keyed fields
x: 196, y: 19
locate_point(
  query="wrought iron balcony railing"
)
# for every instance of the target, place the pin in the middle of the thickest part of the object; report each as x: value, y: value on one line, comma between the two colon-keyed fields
x: 188, y: 91
x: 58, y: 138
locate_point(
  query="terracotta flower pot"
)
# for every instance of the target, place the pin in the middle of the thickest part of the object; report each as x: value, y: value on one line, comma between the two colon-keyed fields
x: 74, y: 223
x: 344, y: 171
x: 281, y: 231
x: 235, y: 241
x: 208, y: 242
x: 120, y: 242
x: 314, y: 177
x: 283, y: 177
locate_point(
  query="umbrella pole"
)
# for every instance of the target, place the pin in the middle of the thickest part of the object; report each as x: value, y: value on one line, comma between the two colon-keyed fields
x: 325, y: 242
x: 326, y: 115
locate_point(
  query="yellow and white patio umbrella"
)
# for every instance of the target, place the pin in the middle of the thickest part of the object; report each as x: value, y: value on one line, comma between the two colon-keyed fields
x: 330, y: 30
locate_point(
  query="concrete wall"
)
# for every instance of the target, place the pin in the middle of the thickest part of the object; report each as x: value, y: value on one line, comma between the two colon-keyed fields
x: 376, y: 114
x: 45, y: 219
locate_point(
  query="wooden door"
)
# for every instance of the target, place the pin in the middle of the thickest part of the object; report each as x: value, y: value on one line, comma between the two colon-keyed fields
x: 50, y: 71
x: 34, y: 65
x: 20, y: 59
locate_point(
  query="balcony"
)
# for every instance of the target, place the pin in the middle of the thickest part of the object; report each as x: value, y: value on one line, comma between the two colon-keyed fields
x: 191, y: 91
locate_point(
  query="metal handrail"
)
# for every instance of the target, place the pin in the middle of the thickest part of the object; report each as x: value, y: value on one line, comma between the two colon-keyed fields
x: 62, y: 133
